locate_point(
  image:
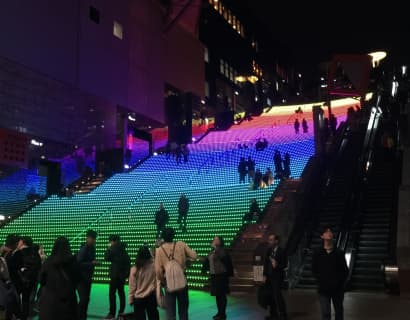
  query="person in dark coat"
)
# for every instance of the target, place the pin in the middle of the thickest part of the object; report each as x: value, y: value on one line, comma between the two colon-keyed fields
x: 330, y: 269
x: 305, y: 127
x: 119, y: 271
x: 257, y: 180
x: 254, y: 211
x: 161, y: 219
x: 59, y: 276
x: 24, y: 266
x: 277, y: 160
x: 87, y: 262
x: 251, y: 169
x: 219, y: 264
x: 242, y: 170
x: 296, y: 125
x: 183, y: 207
x: 275, y: 263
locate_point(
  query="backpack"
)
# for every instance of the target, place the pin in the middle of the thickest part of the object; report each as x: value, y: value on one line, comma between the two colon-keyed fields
x: 31, y: 267
x: 174, y: 274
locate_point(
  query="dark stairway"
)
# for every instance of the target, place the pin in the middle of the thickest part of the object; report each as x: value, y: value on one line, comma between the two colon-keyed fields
x: 334, y: 206
x: 374, y: 239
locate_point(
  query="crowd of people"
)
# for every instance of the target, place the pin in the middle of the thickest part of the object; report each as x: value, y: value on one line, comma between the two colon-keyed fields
x: 60, y: 285
x: 257, y: 179
x: 156, y: 278
x: 162, y: 215
x: 177, y: 151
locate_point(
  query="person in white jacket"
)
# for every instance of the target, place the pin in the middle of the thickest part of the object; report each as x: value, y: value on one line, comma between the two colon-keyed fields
x: 142, y: 286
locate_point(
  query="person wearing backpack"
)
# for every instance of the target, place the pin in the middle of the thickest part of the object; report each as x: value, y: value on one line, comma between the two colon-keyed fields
x: 59, y: 276
x: 170, y: 264
x: 25, y: 265
x: 119, y: 270
x: 142, y: 286
x: 219, y: 264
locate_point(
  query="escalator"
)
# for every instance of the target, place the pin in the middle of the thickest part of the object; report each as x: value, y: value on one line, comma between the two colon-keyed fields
x: 376, y: 227
x: 334, y: 205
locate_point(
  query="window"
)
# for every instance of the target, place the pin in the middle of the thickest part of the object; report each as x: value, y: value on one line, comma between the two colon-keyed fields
x: 117, y: 30
x: 226, y: 73
x: 206, y: 54
x: 94, y: 15
x: 206, y: 89
x: 221, y: 66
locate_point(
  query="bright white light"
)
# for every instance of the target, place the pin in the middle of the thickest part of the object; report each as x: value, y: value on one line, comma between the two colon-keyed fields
x: 369, y: 96
x: 126, y: 166
x: 203, y: 101
x: 297, y: 93
x: 377, y: 57
x: 2, y: 218
x: 43, y: 157
x: 403, y: 70
x: 131, y: 118
x: 155, y: 153
x: 283, y: 100
x: 299, y: 75
x: 323, y: 85
x: 394, y: 87
x: 256, y: 99
x: 36, y: 143
x: 322, y: 79
x: 348, y: 257
x: 268, y: 101
x: 193, y: 139
x: 149, y: 127
x: 283, y: 80
x: 236, y: 93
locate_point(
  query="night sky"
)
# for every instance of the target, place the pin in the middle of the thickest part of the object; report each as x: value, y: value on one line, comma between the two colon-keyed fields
x: 309, y: 34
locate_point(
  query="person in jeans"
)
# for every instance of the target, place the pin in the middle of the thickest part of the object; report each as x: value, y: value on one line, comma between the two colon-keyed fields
x: 142, y: 286
x: 275, y: 263
x: 119, y: 270
x: 219, y: 264
x: 181, y: 253
x: 87, y: 262
x: 331, y: 271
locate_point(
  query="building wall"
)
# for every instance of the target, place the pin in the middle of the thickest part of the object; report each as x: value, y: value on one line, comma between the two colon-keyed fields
x: 145, y: 77
x: 184, y: 61
x: 56, y: 64
x: 43, y: 42
x: 38, y: 105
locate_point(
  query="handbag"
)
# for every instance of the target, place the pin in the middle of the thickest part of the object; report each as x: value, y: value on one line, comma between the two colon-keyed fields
x: 160, y: 293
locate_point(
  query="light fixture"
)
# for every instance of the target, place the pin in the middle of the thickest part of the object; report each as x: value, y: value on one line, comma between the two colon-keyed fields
x: 203, y: 101
x: 131, y: 118
x: 299, y: 75
x: 251, y: 79
x: 126, y: 166
x: 36, y: 143
x: 2, y: 218
x: 236, y: 93
x: 155, y: 153
x: 377, y: 56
